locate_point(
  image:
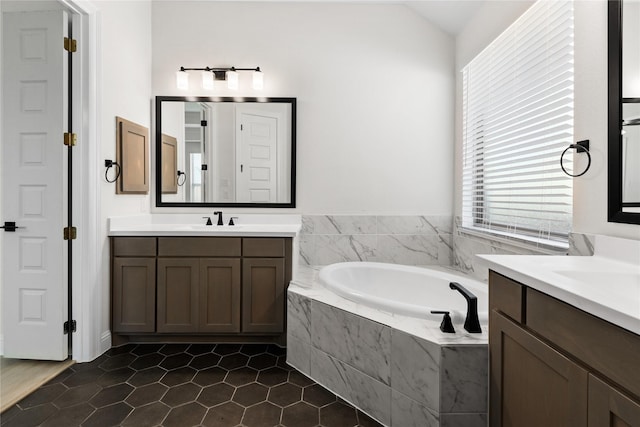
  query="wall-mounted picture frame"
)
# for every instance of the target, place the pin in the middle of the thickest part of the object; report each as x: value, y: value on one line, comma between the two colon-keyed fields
x: 132, y: 154
x: 169, y: 164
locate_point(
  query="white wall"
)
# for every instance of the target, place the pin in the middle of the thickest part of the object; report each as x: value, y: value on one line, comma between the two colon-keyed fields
x: 590, y: 120
x: 125, y: 40
x: 590, y: 190
x: 173, y: 125
x: 374, y: 84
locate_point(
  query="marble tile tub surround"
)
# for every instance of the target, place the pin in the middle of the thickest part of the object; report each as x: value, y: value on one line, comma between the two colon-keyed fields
x: 399, y: 239
x: 401, y: 371
x: 466, y: 246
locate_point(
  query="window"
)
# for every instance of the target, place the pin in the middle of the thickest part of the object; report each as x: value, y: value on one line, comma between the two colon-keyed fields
x: 517, y: 120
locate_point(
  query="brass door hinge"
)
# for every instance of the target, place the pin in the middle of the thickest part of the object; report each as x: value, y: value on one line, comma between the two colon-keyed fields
x: 69, y: 327
x: 70, y: 139
x: 70, y: 45
x: 69, y: 233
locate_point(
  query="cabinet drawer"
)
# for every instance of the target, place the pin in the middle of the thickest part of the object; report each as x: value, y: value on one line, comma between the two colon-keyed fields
x: 134, y: 246
x: 506, y: 296
x: 609, y: 349
x: 263, y: 247
x: 199, y: 246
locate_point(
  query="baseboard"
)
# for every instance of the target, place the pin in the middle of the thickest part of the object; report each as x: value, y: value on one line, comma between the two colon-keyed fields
x: 105, y: 341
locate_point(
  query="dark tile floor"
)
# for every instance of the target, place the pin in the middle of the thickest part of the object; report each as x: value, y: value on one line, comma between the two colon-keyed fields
x: 184, y: 385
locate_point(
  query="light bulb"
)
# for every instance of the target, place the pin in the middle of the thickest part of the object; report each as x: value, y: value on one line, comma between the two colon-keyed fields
x: 182, y: 80
x: 258, y: 80
x: 232, y: 80
x: 207, y: 80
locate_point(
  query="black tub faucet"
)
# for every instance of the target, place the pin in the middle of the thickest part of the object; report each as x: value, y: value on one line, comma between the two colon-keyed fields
x: 219, y: 213
x: 471, y: 323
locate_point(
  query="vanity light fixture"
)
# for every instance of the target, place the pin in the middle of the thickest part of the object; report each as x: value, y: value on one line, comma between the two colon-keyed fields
x: 211, y: 74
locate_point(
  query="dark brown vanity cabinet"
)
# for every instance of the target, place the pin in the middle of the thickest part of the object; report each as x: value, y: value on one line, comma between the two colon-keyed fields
x: 554, y: 365
x: 202, y: 285
x: 264, y: 274
x: 133, y: 284
x: 199, y: 284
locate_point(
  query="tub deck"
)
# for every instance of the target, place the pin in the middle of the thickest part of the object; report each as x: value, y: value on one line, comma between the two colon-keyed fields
x: 401, y: 371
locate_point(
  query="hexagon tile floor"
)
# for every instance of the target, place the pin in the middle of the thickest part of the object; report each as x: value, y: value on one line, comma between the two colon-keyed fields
x: 223, y: 385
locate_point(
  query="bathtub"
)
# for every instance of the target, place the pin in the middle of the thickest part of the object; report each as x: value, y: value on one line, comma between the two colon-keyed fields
x: 364, y: 331
x: 404, y: 290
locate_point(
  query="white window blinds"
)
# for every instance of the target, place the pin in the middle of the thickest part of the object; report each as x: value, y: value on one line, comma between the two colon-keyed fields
x: 517, y: 120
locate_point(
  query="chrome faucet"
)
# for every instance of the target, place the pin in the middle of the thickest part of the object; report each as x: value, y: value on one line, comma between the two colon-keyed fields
x: 219, y: 213
x: 471, y: 323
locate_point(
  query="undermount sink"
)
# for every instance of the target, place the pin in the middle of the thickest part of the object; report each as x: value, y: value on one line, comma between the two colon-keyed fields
x: 607, y: 278
x: 200, y: 227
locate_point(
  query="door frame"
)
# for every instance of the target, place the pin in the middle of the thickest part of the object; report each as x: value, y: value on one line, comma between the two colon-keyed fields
x: 87, y: 302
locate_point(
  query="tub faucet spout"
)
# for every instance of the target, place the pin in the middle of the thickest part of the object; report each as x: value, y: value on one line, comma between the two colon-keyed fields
x: 471, y: 323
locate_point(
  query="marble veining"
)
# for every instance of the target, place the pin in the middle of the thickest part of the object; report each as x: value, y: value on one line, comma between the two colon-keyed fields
x: 400, y: 370
x: 464, y: 420
x: 406, y: 412
x: 409, y: 239
x: 330, y: 249
x: 355, y: 340
x: 581, y: 244
x: 415, y: 368
x: 367, y: 394
x: 464, y: 372
x: 465, y: 247
x: 298, y: 317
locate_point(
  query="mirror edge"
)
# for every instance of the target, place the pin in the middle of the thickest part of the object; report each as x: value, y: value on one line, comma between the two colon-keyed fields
x: 614, y: 164
x: 158, y: 140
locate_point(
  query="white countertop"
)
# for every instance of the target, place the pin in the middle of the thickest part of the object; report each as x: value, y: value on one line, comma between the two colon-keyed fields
x: 194, y: 225
x: 605, y: 285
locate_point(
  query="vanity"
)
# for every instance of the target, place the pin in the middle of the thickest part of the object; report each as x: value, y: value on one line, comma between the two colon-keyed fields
x: 172, y: 282
x: 564, y: 338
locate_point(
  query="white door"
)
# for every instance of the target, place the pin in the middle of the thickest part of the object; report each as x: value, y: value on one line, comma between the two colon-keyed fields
x: 256, y: 169
x: 34, y: 257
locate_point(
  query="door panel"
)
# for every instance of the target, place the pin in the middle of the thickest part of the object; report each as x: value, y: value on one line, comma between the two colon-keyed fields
x: 263, y: 288
x: 134, y: 294
x: 608, y: 407
x: 532, y: 384
x: 257, y: 172
x: 178, y: 294
x: 219, y: 295
x: 34, y: 106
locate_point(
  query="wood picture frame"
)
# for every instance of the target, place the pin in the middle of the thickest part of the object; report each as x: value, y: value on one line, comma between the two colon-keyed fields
x: 169, y: 171
x: 132, y: 154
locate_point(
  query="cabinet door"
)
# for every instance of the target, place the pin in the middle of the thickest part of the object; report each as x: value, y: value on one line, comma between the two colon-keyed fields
x: 178, y: 280
x: 608, y: 407
x: 219, y: 295
x: 134, y: 294
x: 531, y: 384
x: 263, y: 288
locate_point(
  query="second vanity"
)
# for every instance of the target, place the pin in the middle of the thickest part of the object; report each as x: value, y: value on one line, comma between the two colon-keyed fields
x: 564, y: 338
x: 176, y: 279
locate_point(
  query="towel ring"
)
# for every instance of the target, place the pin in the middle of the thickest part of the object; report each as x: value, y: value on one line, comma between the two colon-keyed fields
x: 108, y: 164
x: 580, y: 147
x: 184, y: 178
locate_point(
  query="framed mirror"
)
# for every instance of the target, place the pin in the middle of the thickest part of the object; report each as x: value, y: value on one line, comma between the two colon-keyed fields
x: 225, y: 151
x: 624, y: 112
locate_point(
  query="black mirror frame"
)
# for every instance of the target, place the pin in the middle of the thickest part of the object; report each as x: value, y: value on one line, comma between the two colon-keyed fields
x: 614, y: 166
x: 158, y: 163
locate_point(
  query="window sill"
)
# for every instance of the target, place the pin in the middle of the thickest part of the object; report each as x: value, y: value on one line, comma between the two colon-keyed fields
x: 538, y: 245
